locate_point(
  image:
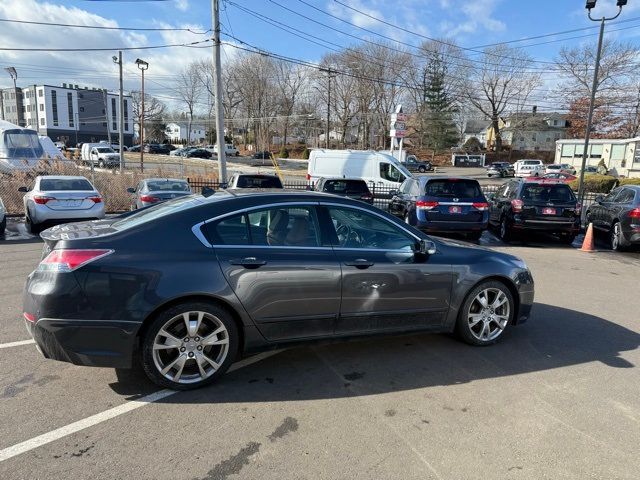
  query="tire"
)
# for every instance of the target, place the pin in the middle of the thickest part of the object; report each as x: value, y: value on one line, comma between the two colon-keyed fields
x: 185, y: 356
x: 3, y: 226
x: 474, y: 236
x: 616, y: 238
x: 567, y: 238
x: 407, y: 218
x: 422, y: 169
x: 101, y: 164
x: 32, y: 228
x: 483, y: 325
x: 505, y: 232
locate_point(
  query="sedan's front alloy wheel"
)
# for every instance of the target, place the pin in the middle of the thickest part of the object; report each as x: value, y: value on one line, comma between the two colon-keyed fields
x: 189, y: 345
x: 485, y: 314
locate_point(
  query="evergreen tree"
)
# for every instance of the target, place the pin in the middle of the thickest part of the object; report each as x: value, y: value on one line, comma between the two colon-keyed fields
x: 438, y: 127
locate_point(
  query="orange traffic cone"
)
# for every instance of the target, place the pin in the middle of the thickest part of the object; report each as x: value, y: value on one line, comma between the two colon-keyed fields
x: 588, y: 244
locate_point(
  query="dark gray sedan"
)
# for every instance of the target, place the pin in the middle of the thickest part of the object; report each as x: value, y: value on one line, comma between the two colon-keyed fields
x: 156, y: 190
x: 241, y: 271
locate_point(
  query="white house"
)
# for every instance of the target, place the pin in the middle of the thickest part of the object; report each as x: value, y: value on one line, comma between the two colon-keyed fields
x: 534, y: 132
x: 177, y: 132
x: 622, y: 157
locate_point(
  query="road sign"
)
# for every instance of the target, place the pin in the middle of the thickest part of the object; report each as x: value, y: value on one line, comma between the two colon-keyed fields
x: 398, y: 125
x: 398, y: 117
x: 398, y: 133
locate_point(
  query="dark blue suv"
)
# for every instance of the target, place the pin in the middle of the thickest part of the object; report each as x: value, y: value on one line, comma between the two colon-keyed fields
x: 439, y: 205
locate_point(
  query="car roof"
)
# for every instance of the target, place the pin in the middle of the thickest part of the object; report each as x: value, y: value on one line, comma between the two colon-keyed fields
x: 164, y: 180
x: 428, y: 178
x: 62, y: 177
x: 352, y: 179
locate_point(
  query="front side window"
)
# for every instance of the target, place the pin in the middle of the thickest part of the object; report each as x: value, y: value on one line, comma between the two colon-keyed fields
x: 356, y: 228
x: 612, y: 195
x: 391, y: 173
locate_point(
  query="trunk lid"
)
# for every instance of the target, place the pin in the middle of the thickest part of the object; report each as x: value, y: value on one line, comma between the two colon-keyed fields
x: 70, y: 200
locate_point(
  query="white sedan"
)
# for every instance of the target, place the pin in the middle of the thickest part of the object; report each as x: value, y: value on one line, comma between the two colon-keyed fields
x: 60, y: 198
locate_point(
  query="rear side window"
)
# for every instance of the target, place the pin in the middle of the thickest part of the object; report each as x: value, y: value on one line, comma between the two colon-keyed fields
x: 249, y: 181
x: 65, y: 184
x: 229, y: 231
x: 345, y: 186
x: 548, y: 193
x: 453, y: 188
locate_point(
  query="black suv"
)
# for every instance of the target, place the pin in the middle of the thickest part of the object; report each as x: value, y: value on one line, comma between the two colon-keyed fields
x: 355, y: 188
x: 521, y: 205
x: 160, y: 149
x: 618, y: 214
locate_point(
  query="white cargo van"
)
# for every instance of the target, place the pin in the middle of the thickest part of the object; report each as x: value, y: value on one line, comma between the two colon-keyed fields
x: 100, y: 154
x: 376, y: 168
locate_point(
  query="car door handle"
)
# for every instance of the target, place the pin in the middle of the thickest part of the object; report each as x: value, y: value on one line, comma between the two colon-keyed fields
x: 360, y: 263
x: 248, y: 262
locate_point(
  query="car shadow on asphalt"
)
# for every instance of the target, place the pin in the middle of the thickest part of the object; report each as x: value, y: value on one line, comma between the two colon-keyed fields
x: 554, y: 338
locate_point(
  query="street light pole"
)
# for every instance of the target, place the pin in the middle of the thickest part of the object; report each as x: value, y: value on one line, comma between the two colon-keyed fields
x: 585, y: 153
x: 142, y: 65
x: 329, y: 72
x: 118, y: 60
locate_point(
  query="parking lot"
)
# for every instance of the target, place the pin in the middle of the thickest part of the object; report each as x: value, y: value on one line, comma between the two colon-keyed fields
x: 556, y: 398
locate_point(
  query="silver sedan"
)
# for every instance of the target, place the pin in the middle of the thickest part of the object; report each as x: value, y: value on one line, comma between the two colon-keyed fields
x: 58, y: 199
x: 155, y: 190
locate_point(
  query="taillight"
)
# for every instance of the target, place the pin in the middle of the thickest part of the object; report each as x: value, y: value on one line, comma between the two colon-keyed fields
x: 149, y: 198
x: 40, y: 200
x: 516, y: 205
x: 308, y: 177
x: 422, y: 205
x: 481, y: 206
x: 29, y: 317
x: 96, y: 199
x: 70, y: 260
x: 635, y: 213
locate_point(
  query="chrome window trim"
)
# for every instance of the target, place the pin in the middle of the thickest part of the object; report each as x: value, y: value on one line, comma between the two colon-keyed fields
x: 197, y: 228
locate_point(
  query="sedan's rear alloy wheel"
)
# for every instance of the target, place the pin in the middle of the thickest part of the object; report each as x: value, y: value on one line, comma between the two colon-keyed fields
x: 189, y: 346
x: 486, y: 312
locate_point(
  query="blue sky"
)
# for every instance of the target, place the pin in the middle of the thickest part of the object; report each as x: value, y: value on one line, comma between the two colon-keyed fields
x: 469, y: 22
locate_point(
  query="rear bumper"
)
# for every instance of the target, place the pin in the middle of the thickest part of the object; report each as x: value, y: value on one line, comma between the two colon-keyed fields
x: 451, y: 226
x: 42, y: 213
x: 93, y: 343
x: 546, y: 225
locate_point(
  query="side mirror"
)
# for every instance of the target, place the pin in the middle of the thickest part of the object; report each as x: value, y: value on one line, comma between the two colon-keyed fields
x: 23, y: 189
x: 599, y: 198
x: 131, y: 190
x: 393, y: 193
x: 426, y: 247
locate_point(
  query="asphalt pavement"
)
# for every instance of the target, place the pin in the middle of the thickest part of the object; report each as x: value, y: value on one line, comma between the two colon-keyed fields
x: 557, y: 397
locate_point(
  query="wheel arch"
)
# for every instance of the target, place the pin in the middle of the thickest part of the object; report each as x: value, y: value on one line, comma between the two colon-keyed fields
x: 507, y: 282
x: 194, y: 298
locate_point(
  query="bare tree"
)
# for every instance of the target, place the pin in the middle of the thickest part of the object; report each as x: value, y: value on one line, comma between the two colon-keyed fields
x: 501, y: 77
x: 154, y: 110
x: 189, y: 90
x: 289, y: 79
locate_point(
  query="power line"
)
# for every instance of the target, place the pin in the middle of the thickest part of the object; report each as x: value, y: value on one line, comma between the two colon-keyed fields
x: 98, y: 27
x: 151, y: 47
x: 443, y: 42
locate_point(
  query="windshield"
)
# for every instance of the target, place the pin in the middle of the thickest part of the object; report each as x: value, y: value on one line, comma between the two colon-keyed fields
x: 65, y: 184
x: 454, y: 188
x: 157, y: 211
x: 548, y: 193
x: 22, y: 144
x: 168, y: 186
x: 246, y: 181
x: 104, y: 150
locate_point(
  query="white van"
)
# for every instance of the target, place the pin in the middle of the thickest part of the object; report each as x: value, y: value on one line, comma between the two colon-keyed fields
x: 529, y: 168
x: 376, y: 168
x: 100, y: 154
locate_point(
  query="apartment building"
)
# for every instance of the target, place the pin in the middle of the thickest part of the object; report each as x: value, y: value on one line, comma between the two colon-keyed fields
x: 68, y: 113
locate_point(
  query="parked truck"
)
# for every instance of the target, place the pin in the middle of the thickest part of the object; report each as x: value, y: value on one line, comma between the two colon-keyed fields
x: 100, y: 155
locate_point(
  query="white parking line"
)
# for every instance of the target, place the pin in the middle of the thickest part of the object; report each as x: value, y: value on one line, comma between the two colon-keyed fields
x: 74, y: 427
x: 17, y: 344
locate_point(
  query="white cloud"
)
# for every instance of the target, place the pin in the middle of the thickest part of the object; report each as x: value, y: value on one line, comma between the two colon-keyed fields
x: 478, y: 15
x: 182, y: 5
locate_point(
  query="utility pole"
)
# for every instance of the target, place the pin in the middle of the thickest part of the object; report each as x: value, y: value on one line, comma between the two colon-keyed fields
x: 118, y: 60
x: 329, y: 72
x: 217, y: 85
x: 594, y: 88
